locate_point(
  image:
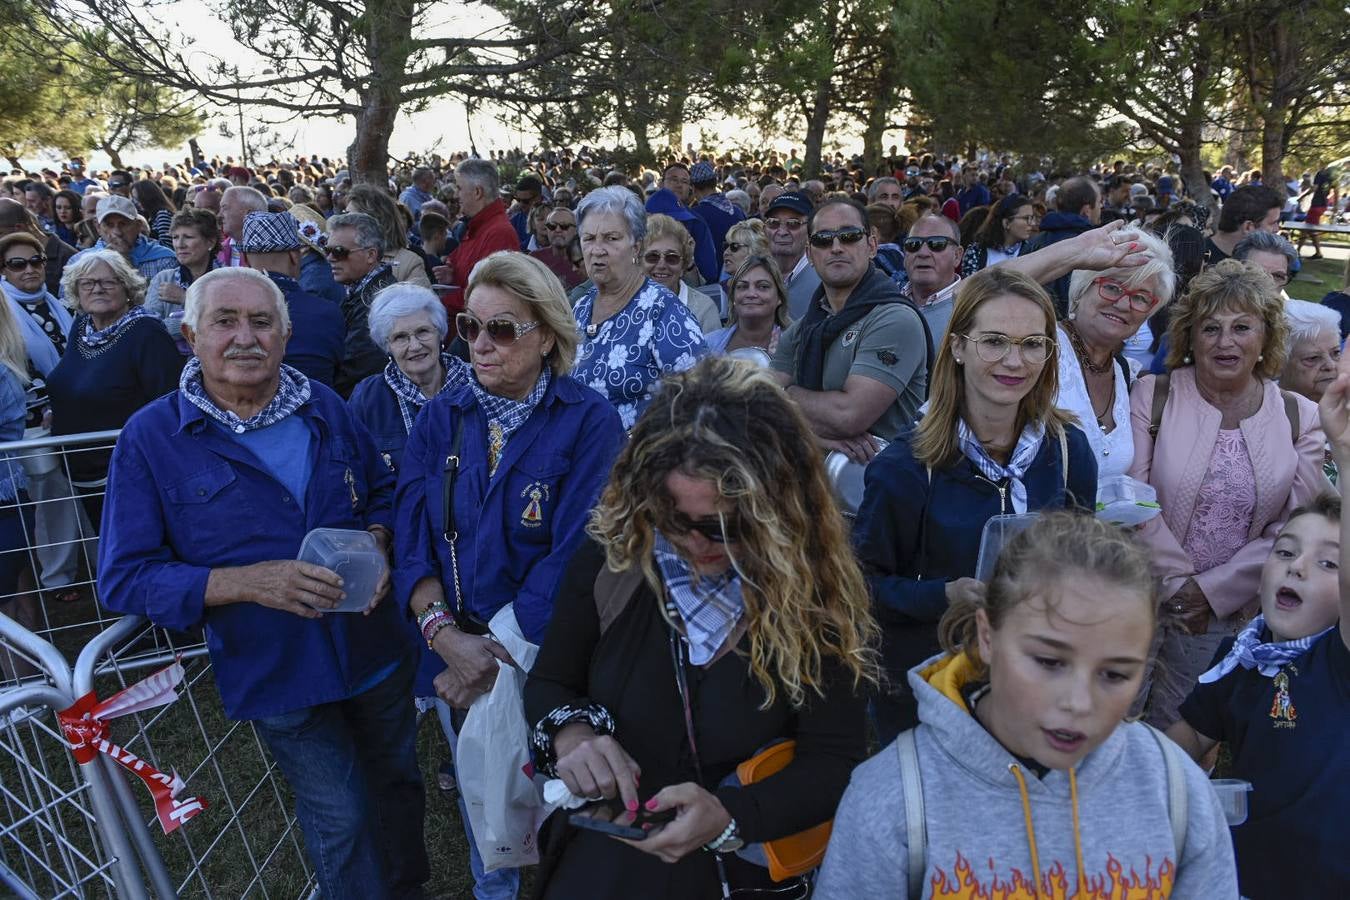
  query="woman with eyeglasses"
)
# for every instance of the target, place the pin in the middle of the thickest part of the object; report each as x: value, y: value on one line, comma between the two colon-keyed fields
x: 1107, y: 310
x: 1230, y: 455
x: 758, y: 300
x: 531, y: 448
x: 1008, y: 225
x: 992, y: 443
x: 717, y: 610
x: 668, y: 251
x: 118, y: 358
x: 633, y: 330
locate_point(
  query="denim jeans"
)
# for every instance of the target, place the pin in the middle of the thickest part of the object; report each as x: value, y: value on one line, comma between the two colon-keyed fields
x: 503, y: 884
x: 358, y: 789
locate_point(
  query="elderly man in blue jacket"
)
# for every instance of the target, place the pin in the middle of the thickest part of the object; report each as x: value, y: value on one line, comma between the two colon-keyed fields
x: 211, y: 490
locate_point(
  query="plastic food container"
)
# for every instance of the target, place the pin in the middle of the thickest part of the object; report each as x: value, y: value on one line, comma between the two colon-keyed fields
x: 998, y: 531
x: 1126, y: 501
x: 846, y: 479
x: 354, y: 556
x: 1233, y: 798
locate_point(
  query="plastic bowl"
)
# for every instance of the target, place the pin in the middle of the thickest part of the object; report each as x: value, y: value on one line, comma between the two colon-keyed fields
x: 1232, y: 794
x: 354, y: 556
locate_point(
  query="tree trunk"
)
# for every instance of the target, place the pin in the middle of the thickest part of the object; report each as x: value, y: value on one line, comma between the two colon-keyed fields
x: 113, y: 156
x: 14, y: 163
x: 1272, y: 148
x: 815, y: 128
x: 387, y: 48
x: 195, y: 150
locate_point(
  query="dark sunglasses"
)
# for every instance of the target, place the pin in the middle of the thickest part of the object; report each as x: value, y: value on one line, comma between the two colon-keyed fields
x: 114, y: 185
x: 672, y: 258
x: 339, y: 252
x: 554, y: 226
x: 735, y: 247
x: 501, y: 332
x: 710, y: 528
x: 825, y: 239
x: 935, y: 244
x: 19, y: 263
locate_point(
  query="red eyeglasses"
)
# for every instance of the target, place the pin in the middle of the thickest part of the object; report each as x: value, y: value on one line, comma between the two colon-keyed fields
x: 1111, y: 291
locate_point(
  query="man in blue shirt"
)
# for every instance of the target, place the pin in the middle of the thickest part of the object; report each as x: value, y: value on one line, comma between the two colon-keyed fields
x: 78, y: 182
x: 419, y: 192
x: 973, y: 193
x: 211, y: 490
x: 121, y: 228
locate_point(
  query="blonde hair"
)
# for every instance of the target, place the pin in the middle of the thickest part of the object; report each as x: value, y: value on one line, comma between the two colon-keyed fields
x: 770, y: 265
x: 1231, y: 286
x: 79, y: 266
x: 729, y: 422
x: 13, y: 351
x: 935, y: 443
x: 1058, y: 545
x: 660, y: 225
x: 750, y: 231
x: 533, y: 283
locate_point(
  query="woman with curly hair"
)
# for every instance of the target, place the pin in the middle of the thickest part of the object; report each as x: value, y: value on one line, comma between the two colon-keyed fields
x: 717, y: 610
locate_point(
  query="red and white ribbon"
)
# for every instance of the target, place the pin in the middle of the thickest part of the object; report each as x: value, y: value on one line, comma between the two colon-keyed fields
x: 85, y: 727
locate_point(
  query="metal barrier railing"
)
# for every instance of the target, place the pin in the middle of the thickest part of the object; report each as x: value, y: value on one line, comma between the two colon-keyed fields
x: 77, y: 830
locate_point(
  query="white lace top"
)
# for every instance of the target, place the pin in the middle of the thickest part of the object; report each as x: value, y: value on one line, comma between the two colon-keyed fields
x: 1114, y: 450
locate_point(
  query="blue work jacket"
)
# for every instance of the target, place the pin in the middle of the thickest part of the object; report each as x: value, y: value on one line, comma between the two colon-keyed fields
x: 517, y: 529
x: 374, y: 403
x: 185, y: 498
x: 318, y: 331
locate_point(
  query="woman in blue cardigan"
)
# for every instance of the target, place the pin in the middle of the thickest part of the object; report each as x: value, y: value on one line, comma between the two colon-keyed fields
x: 992, y: 442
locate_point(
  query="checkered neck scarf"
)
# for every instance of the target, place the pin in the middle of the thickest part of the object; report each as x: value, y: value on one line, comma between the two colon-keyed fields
x: 504, y: 415
x: 1016, y: 469
x: 710, y: 606
x: 292, y: 392
x: 1250, y: 652
x: 410, y: 397
x: 91, y: 338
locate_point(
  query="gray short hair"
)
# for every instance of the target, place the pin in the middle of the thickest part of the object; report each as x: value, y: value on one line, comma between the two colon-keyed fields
x: 876, y: 186
x: 740, y: 199
x: 369, y: 232
x: 1268, y: 243
x: 404, y: 299
x: 252, y: 198
x: 123, y: 271
x: 483, y: 173
x: 1306, y: 319
x: 619, y: 201
x: 195, y: 301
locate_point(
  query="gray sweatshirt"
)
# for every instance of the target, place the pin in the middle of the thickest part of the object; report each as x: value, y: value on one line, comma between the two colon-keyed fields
x: 978, y: 843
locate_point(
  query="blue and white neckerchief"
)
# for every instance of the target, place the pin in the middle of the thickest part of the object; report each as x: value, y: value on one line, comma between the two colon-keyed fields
x: 293, y: 391
x: 505, y: 416
x: 709, y: 605
x: 92, y: 338
x: 1266, y: 657
x: 410, y: 397
x: 1028, y: 444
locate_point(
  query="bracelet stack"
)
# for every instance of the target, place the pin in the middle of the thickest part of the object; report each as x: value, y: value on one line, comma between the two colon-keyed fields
x: 541, y: 737
x: 432, y: 619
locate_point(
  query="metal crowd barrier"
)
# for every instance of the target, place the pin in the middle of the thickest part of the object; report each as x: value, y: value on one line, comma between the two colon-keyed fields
x: 72, y: 830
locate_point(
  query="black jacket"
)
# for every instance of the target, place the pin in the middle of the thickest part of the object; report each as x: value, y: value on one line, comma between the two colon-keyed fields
x: 360, y: 356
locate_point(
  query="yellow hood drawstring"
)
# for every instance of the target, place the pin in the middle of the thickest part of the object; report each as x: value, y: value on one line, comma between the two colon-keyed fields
x: 1031, y: 830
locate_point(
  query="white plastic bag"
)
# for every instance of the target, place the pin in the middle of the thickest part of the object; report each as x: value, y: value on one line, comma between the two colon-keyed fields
x: 505, y: 806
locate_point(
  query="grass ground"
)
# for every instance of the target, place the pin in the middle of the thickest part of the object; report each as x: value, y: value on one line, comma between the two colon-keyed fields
x: 1320, y: 277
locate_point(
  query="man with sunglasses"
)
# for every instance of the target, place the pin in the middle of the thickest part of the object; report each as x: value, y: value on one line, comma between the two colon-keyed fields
x: 119, y: 183
x: 561, y: 227
x: 857, y: 363
x: 355, y: 250
x: 933, y: 263
x: 786, y: 225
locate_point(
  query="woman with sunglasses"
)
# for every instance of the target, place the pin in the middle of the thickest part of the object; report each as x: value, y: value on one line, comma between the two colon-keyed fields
x: 532, y: 448
x: 668, y: 252
x: 717, y: 610
x: 759, y: 303
x: 633, y: 330
x: 1107, y: 309
x: 991, y: 443
x: 1007, y: 227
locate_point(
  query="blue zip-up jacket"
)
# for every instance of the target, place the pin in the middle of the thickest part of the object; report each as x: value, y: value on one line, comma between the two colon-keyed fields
x: 706, y: 258
x: 316, y: 277
x: 913, y: 536
x: 318, y: 331
x: 1056, y: 227
x: 518, y: 530
x: 185, y: 498
x: 376, y: 406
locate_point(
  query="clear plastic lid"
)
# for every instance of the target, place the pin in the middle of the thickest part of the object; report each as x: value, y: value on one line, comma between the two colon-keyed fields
x: 354, y: 556
x: 1233, y: 798
x: 998, y: 531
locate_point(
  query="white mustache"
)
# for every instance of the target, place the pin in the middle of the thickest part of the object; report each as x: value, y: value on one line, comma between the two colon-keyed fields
x: 254, y: 352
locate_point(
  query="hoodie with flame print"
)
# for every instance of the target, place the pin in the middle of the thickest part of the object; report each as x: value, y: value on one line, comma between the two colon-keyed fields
x: 997, y: 832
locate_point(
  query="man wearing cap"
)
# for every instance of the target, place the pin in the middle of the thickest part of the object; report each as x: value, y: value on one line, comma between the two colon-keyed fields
x: 529, y: 193
x: 419, y: 191
x: 711, y: 205
x: 271, y: 244
x: 79, y: 182
x: 785, y: 224
x: 15, y: 218
x: 121, y: 228
x: 211, y: 490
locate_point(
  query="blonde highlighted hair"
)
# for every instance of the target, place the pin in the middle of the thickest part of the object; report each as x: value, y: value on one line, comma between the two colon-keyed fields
x: 660, y: 225
x: 1234, y: 287
x: 729, y: 422
x: 935, y: 443
x: 534, y: 284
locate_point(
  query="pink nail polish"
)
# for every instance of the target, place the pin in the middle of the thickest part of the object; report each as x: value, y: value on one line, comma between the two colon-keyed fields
x: 632, y: 805
x: 651, y: 804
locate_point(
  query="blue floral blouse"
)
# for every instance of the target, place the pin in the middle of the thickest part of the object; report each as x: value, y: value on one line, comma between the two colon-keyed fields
x: 628, y: 353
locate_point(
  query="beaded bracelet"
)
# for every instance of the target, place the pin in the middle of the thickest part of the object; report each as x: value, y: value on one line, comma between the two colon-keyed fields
x: 434, y: 609
x: 541, y: 737
x: 434, y: 624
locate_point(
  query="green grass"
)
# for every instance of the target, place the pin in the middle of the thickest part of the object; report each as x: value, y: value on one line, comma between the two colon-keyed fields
x: 1319, y: 277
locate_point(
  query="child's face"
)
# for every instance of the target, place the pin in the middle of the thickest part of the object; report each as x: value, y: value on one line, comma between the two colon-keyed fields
x: 1062, y: 675
x: 1300, y: 590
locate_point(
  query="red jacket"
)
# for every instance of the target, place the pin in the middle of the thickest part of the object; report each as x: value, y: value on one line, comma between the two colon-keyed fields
x: 488, y: 232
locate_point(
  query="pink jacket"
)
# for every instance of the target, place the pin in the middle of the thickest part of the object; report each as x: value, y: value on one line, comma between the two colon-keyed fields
x: 1288, y: 474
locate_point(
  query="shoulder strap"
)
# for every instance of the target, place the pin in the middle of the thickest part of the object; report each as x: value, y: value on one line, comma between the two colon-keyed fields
x: 916, y: 831
x: 1124, y: 367
x: 1064, y: 459
x: 1160, y: 389
x: 613, y: 592
x: 1291, y: 413
x: 1177, y: 801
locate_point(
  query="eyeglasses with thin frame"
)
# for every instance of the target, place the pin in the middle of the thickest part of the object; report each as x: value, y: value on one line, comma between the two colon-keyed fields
x: 19, y: 263
x: 502, y: 332
x: 1029, y: 218
x: 823, y: 240
x: 775, y: 223
x: 993, y: 346
x: 98, y: 284
x: 937, y: 243
x: 711, y: 528
x: 672, y: 258
x: 424, y: 335
x: 1111, y: 291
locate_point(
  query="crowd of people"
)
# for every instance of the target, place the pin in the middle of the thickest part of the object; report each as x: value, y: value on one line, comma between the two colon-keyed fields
x: 607, y: 413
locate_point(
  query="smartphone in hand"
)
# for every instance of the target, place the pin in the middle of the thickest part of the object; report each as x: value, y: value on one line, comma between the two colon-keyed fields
x: 610, y: 817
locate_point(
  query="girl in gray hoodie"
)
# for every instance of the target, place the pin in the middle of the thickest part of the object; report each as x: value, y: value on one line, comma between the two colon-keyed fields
x: 1023, y: 779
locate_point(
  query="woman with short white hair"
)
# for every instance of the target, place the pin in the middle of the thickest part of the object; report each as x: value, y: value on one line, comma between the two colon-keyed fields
x: 1314, y: 354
